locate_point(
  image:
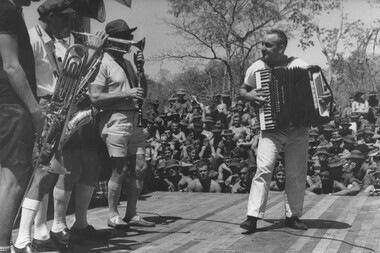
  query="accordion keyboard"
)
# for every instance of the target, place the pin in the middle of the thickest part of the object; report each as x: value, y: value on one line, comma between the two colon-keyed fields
x: 266, y: 119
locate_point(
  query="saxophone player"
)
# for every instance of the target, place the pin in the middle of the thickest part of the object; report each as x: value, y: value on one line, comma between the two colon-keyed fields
x: 49, y: 50
x: 114, y: 92
x: 18, y: 111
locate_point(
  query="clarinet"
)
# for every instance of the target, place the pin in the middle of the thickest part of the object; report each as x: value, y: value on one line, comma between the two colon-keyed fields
x: 140, y: 73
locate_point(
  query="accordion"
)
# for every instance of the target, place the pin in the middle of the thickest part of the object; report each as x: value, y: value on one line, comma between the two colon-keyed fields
x: 297, y: 97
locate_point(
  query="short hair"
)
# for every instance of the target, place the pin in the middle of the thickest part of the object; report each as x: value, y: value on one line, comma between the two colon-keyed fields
x: 281, y: 35
x: 203, y: 162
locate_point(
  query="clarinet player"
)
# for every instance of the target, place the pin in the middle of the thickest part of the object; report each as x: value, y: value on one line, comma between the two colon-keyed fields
x: 292, y: 140
x: 114, y: 92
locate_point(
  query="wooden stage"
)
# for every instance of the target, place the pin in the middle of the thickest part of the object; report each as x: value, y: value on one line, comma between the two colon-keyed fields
x: 206, y: 222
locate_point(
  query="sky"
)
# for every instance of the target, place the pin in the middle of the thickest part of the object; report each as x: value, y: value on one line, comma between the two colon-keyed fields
x: 147, y: 15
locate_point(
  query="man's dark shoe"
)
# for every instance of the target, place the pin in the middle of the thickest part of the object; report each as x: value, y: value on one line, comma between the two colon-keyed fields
x: 44, y: 245
x: 27, y: 249
x: 250, y: 224
x: 295, y: 223
x: 62, y: 237
x: 88, y: 233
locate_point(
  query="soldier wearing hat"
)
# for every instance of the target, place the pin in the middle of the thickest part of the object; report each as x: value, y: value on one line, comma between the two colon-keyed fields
x: 182, y: 106
x: 227, y: 145
x: 125, y: 145
x: 356, y: 158
x: 328, y: 185
x: 169, y: 108
x: 172, y: 174
x: 349, y: 142
x: 345, y: 127
x: 337, y: 144
x: 371, y: 180
x: 20, y: 113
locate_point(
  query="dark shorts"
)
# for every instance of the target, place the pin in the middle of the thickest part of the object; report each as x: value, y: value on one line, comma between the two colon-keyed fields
x: 16, y: 136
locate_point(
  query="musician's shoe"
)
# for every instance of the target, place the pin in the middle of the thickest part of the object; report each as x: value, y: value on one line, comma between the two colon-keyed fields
x: 295, y: 223
x: 62, y: 237
x: 250, y: 224
x: 139, y: 221
x: 88, y: 233
x: 44, y: 245
x: 117, y: 222
x: 27, y: 249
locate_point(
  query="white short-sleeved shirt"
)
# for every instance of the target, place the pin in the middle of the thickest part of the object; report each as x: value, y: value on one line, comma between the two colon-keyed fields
x: 48, y: 57
x: 114, y: 80
x: 260, y: 65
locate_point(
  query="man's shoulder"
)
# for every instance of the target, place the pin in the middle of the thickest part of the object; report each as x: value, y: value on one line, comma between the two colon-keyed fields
x: 7, y: 9
x: 297, y: 62
x: 257, y: 65
x: 9, y: 18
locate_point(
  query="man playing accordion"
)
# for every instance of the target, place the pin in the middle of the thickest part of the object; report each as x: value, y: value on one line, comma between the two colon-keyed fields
x: 292, y: 140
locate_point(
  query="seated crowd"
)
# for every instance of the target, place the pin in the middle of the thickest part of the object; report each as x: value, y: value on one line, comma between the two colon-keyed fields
x: 198, y: 148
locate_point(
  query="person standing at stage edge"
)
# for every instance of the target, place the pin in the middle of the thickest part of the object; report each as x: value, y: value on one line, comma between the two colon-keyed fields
x: 21, y: 117
x: 293, y: 140
x: 114, y: 91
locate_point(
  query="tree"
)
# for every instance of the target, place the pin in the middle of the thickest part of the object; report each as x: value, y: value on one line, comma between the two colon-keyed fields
x: 229, y: 31
x: 350, y: 38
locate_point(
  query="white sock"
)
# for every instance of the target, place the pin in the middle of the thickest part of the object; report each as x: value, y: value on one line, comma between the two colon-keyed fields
x: 29, y: 210
x: 41, y: 231
x: 61, y: 202
x: 83, y: 195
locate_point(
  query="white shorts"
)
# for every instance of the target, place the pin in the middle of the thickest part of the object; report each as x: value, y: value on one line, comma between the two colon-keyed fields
x: 119, y: 131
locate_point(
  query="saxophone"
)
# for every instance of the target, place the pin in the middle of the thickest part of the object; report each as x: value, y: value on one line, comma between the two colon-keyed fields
x: 60, y: 110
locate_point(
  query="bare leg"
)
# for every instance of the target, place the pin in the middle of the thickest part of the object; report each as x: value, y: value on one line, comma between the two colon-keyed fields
x: 12, y: 184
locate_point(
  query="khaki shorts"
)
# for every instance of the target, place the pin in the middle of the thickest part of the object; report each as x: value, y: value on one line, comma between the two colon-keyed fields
x: 118, y: 129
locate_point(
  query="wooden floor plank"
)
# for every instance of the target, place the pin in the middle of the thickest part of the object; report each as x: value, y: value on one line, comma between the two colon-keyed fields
x: 197, y: 222
x: 313, y: 213
x: 343, y: 214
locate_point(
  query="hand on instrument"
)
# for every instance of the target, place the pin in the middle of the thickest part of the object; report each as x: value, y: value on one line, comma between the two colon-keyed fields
x: 135, y: 93
x: 96, y: 42
x: 139, y: 59
x: 38, y: 118
x: 258, y: 96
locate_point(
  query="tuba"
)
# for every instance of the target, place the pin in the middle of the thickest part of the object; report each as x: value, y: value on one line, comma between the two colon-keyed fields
x: 60, y: 109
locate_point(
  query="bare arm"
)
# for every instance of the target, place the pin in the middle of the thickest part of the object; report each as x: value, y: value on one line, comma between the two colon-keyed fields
x: 100, y: 98
x: 355, y: 189
x: 215, y: 187
x: 17, y: 78
x: 342, y: 189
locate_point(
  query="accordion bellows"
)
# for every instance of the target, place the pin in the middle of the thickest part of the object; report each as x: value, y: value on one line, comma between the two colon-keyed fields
x: 297, y: 97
